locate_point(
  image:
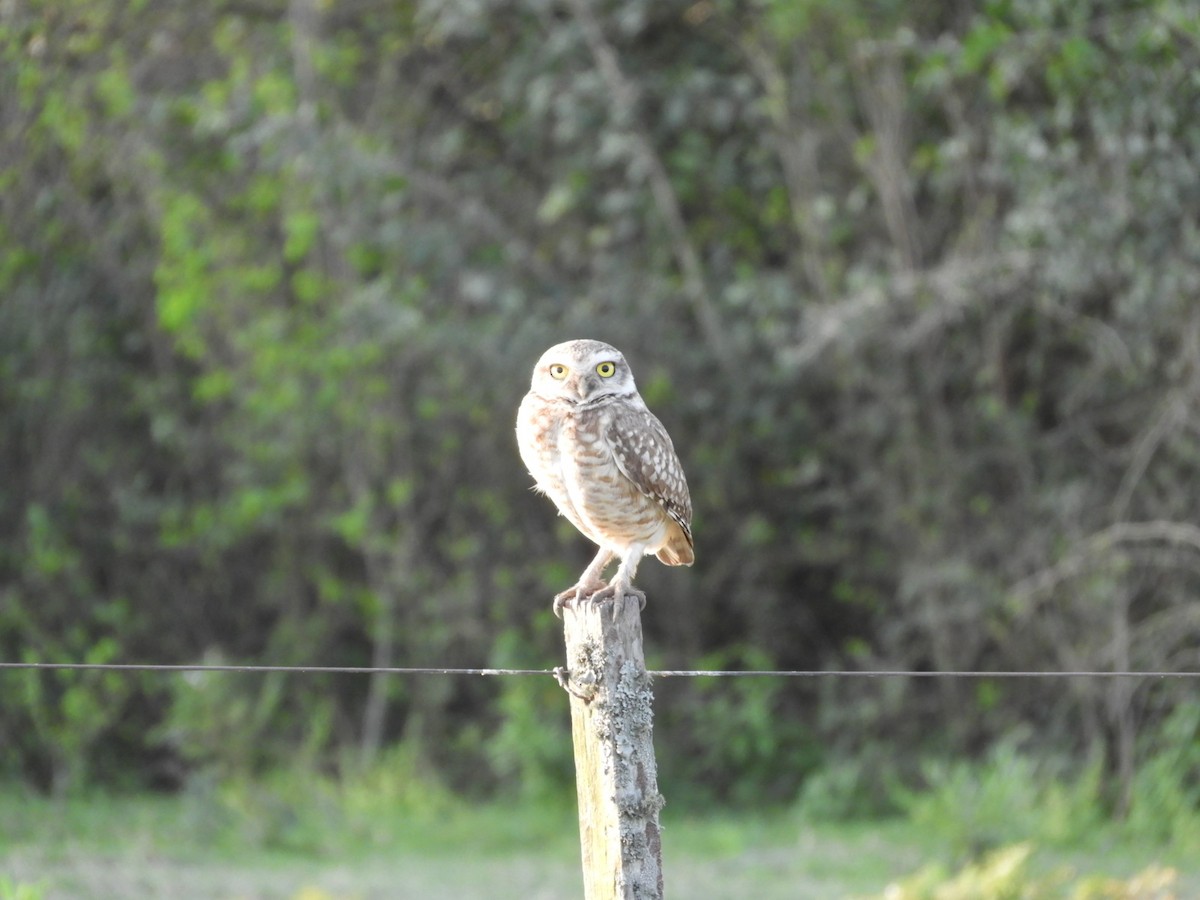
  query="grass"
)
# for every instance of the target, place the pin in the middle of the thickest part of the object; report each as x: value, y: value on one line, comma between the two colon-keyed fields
x: 251, y: 841
x: 145, y: 846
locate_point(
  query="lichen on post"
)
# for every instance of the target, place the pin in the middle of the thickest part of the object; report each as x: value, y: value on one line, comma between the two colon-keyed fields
x: 616, y: 775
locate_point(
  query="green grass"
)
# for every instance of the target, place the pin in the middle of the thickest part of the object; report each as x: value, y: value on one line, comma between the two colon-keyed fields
x: 258, y: 841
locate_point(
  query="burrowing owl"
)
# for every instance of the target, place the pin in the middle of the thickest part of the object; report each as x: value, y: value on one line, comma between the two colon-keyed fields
x: 594, y: 448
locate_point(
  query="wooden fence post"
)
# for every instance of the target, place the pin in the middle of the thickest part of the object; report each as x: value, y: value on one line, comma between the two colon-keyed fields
x: 615, y: 773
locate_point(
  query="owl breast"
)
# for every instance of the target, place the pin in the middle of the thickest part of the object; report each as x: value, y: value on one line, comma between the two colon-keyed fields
x: 569, y: 456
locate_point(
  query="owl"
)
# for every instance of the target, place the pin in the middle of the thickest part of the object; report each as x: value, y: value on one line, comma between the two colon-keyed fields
x: 597, y: 451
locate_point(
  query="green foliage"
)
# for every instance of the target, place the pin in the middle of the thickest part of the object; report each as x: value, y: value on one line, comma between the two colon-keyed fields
x: 500, y: 849
x: 215, y: 720
x: 847, y: 790
x: 530, y: 751
x: 20, y: 890
x: 1008, y: 797
x: 1165, y: 806
x: 402, y: 782
x: 307, y: 811
x: 70, y: 711
x: 1004, y: 874
x: 913, y: 288
x: 746, y: 747
x: 182, y: 277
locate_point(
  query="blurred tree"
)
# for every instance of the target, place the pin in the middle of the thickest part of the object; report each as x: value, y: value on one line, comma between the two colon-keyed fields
x: 917, y: 282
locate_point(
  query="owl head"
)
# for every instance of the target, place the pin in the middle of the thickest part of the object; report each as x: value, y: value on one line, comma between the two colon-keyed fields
x: 582, y: 371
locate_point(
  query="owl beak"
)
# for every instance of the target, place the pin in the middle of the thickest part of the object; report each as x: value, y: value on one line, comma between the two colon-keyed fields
x: 584, y: 386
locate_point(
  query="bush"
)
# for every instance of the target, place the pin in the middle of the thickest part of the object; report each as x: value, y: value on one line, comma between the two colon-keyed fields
x: 848, y: 789
x: 1004, y: 874
x: 1165, y: 799
x: 1010, y: 796
x: 20, y: 890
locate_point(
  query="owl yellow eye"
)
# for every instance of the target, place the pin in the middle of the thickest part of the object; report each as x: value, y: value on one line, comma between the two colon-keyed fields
x: 558, y: 371
x: 606, y: 370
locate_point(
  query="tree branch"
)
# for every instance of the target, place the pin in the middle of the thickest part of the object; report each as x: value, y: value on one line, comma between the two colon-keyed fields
x: 956, y: 286
x: 624, y: 100
x: 1183, y: 535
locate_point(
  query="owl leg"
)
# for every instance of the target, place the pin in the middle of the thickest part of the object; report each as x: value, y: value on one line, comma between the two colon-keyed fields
x: 621, y: 585
x: 589, y: 582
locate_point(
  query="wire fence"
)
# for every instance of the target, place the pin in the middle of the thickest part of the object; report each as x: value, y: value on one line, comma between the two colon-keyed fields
x: 654, y: 673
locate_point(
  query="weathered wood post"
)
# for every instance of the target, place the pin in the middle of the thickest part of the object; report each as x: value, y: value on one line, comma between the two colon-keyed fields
x: 615, y: 773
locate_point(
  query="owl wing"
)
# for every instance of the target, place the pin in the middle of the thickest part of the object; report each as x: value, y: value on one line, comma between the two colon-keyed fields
x: 645, y: 455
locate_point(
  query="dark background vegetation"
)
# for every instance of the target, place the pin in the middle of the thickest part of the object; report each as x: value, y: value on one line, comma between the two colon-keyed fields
x: 913, y: 285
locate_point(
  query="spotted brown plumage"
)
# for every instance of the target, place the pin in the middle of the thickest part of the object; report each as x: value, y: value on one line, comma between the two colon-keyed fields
x: 607, y: 462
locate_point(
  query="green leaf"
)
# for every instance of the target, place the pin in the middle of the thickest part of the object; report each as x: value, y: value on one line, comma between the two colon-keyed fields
x: 216, y: 384
x: 300, y: 229
x: 116, y: 92
x: 980, y: 44
x: 308, y: 286
x: 353, y: 524
x: 1078, y: 61
x: 275, y: 93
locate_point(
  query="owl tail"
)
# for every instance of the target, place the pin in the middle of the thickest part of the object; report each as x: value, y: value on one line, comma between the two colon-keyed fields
x: 677, y: 551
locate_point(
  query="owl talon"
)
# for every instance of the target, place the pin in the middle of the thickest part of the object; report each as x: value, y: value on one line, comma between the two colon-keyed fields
x: 565, y: 598
x: 634, y: 594
x: 605, y: 593
x: 618, y: 598
x: 573, y: 595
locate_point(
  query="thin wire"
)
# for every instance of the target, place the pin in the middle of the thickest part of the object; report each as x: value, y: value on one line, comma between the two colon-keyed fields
x: 304, y: 670
x: 659, y: 673
x: 901, y: 673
